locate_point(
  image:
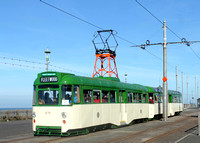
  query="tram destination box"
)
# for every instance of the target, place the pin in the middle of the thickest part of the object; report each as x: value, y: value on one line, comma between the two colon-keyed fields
x: 48, y: 79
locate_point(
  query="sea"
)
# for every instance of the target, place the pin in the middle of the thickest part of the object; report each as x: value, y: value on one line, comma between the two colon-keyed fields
x: 15, y: 108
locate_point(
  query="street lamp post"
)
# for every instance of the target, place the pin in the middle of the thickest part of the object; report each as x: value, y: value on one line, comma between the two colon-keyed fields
x: 47, y: 53
x: 125, y: 77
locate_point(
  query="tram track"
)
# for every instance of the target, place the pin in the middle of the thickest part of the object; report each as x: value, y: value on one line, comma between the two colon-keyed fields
x: 20, y: 139
x: 118, y: 139
x: 171, y: 132
x: 188, y: 121
x: 132, y: 135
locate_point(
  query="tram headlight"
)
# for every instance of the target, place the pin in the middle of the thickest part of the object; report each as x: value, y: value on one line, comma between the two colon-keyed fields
x: 64, y: 115
x: 33, y: 114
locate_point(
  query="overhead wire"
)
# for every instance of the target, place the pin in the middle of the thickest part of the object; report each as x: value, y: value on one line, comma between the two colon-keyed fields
x: 158, y: 19
x: 170, y: 31
x: 34, y: 62
x: 167, y: 27
x: 73, y: 71
x: 20, y: 60
x: 124, y: 39
x: 85, y: 21
x: 71, y: 15
x: 20, y: 65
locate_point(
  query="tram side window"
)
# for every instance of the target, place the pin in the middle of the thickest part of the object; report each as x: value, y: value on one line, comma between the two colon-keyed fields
x: 66, y: 94
x: 144, y: 98
x: 140, y: 97
x: 130, y: 97
x: 76, y: 94
x: 156, y: 98
x: 135, y: 97
x: 87, y: 94
x: 112, y: 96
x: 180, y: 99
x: 151, y: 98
x: 48, y: 97
x: 175, y: 99
x: 105, y: 96
x: 97, y: 96
x: 34, y: 93
x: 159, y: 99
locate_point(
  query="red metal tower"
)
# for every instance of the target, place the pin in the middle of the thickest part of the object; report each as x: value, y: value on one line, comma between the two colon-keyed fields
x: 105, y: 45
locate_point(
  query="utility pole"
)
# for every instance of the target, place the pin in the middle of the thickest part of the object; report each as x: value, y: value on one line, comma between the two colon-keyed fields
x: 192, y: 99
x: 182, y: 90
x: 197, y: 89
x: 164, y: 44
x: 195, y: 102
x: 176, y: 80
x: 165, y: 91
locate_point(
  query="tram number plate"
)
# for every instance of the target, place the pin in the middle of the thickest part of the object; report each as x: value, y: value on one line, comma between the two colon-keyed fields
x: 48, y: 79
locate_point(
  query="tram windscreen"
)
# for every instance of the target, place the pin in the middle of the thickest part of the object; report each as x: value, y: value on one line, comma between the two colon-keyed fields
x: 48, y: 97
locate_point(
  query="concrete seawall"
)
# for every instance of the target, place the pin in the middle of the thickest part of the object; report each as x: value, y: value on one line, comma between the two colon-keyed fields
x: 10, y: 115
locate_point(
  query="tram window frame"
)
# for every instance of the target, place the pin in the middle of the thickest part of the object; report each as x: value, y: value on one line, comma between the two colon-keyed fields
x: 139, y: 97
x: 76, y: 94
x: 155, y: 98
x: 180, y: 99
x: 112, y: 96
x: 175, y: 99
x: 66, y: 96
x: 48, y: 97
x: 150, y: 96
x: 34, y: 95
x: 87, y: 96
x: 144, y: 98
x: 160, y: 99
x: 105, y: 96
x: 130, y: 97
x: 135, y: 99
x: 97, y: 96
x: 121, y: 96
x: 48, y: 86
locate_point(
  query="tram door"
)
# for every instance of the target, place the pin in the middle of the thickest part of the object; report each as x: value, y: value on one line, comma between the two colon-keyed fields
x: 123, y: 112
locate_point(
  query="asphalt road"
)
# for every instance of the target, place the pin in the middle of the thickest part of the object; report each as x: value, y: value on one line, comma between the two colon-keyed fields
x: 179, y: 129
x: 13, y: 129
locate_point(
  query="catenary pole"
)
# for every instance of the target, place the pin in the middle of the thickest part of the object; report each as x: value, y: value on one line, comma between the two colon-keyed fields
x: 197, y: 89
x: 176, y: 80
x: 182, y: 90
x: 195, y: 101
x: 165, y: 92
x: 187, y: 93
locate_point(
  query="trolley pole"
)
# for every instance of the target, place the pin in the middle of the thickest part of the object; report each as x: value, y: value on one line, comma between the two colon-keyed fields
x: 165, y: 91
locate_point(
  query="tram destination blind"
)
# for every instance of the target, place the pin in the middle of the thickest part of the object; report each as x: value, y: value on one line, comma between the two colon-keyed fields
x: 48, y: 79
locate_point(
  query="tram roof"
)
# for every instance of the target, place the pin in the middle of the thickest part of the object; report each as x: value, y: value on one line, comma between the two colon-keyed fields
x: 107, y: 82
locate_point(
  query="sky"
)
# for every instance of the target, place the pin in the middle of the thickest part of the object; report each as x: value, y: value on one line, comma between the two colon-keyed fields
x: 27, y: 28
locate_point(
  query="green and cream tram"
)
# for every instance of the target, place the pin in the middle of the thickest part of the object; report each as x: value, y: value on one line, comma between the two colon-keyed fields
x: 65, y: 104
